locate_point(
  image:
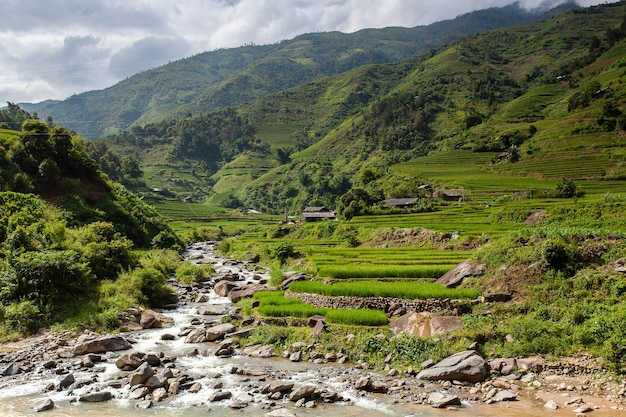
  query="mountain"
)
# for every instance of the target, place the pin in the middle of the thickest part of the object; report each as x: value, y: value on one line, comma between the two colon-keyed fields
x: 506, y: 92
x: 229, y: 77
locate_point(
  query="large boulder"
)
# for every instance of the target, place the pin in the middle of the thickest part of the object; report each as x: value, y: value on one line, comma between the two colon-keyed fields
x: 222, y: 288
x: 246, y: 291
x: 196, y: 336
x: 414, y: 324
x: 129, y: 362
x: 96, y: 397
x: 218, y: 332
x: 460, y: 273
x: 466, y: 366
x: 101, y: 345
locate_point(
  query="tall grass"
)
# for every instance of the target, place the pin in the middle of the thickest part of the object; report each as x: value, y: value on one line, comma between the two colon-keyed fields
x: 357, y: 317
x: 383, y: 271
x: 406, y: 290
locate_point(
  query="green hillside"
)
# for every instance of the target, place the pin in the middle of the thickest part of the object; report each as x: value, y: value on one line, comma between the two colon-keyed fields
x: 229, y: 77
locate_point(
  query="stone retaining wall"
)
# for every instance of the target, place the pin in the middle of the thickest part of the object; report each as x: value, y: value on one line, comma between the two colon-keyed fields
x: 378, y: 303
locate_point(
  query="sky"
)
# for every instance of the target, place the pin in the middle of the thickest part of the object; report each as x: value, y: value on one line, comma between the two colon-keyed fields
x: 53, y: 49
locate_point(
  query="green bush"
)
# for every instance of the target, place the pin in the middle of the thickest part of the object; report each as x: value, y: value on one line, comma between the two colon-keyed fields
x: 153, y: 285
x: 50, y: 279
x: 23, y: 316
x: 189, y: 273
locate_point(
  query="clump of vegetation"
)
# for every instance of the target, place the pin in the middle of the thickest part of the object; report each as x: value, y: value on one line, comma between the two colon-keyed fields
x: 189, y: 273
x: 402, y: 289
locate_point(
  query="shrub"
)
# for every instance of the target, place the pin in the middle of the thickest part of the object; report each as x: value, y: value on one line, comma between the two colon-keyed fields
x: 153, y: 286
x: 50, y: 279
x: 188, y: 273
x: 22, y: 316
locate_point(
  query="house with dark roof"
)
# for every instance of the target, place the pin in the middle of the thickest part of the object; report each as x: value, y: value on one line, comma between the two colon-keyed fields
x: 316, y: 214
x: 401, y: 202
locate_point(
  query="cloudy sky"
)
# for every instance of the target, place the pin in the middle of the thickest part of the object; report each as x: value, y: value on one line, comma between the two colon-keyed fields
x: 55, y: 48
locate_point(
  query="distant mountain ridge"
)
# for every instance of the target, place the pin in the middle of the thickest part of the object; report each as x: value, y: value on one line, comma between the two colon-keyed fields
x: 229, y: 77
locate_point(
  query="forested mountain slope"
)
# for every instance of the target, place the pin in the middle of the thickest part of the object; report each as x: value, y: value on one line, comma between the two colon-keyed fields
x: 229, y: 77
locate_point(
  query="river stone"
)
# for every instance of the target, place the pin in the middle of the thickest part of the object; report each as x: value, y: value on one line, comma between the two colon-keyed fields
x: 196, y: 336
x: 304, y: 392
x: 101, y: 345
x: 220, y: 395
x: 466, y: 366
x: 156, y: 381
x: 505, y: 396
x: 218, y: 332
x: 277, y: 386
x: 43, y: 405
x: 96, y: 397
x: 130, y: 361
x: 139, y: 393
x: 259, y: 351
x: 66, y: 381
x: 212, y: 310
x: 159, y: 394
x: 11, y: 370
x: 222, y: 288
x: 551, y: 405
x: 460, y: 273
x: 247, y: 291
x: 147, y: 320
x: 441, y: 400
x: 141, y: 375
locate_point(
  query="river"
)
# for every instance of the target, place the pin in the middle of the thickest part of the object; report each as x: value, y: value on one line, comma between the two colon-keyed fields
x: 217, y: 374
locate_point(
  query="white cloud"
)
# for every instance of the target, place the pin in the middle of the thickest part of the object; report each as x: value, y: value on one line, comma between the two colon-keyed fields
x: 56, y: 48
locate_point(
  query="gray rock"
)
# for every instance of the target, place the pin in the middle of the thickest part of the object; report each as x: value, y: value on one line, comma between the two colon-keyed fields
x: 66, y: 381
x: 212, y: 310
x: 505, y: 396
x: 441, y: 400
x: 460, y: 273
x: 129, y: 362
x: 551, y: 405
x: 11, y: 370
x: 159, y: 394
x: 277, y: 386
x: 43, y: 405
x: 222, y: 288
x: 220, y: 396
x: 141, y: 375
x: 139, y: 393
x: 218, y: 332
x: 259, y: 351
x: 247, y: 291
x: 466, y: 366
x: 196, y: 336
x: 96, y: 397
x: 304, y: 392
x: 102, y: 345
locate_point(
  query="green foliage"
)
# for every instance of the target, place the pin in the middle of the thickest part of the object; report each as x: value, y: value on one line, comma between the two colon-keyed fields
x: 21, y: 316
x: 357, y: 317
x: 189, y: 273
x: 50, y: 279
x: 401, y: 289
x: 283, y: 251
x: 567, y: 188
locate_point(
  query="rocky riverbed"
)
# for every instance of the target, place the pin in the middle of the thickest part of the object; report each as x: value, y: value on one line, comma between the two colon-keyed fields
x: 187, y: 358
